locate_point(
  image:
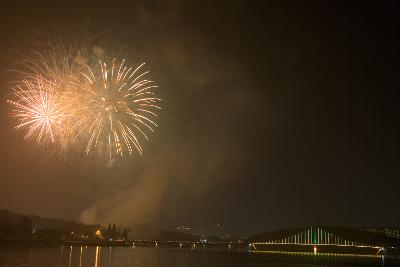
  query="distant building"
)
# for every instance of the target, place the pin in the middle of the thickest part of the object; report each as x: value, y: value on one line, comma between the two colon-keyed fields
x: 185, y: 229
x: 215, y: 232
x: 389, y: 231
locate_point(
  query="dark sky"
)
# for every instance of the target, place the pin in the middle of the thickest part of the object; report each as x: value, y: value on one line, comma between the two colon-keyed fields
x: 275, y: 115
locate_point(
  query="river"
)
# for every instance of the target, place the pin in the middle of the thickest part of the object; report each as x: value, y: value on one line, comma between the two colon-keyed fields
x: 68, y: 256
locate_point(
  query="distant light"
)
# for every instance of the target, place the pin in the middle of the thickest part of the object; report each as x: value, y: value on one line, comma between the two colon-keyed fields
x: 315, y: 250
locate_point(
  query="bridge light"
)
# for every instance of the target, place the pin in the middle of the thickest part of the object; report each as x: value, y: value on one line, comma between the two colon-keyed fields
x: 315, y: 250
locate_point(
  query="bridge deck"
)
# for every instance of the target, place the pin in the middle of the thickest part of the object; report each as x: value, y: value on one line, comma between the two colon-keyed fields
x: 317, y: 249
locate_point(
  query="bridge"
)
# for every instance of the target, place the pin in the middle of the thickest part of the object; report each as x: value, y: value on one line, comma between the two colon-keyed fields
x: 321, y: 240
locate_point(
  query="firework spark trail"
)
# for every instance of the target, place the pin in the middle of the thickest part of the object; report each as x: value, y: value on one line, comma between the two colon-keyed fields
x: 40, y: 108
x: 118, y: 104
x: 57, y: 65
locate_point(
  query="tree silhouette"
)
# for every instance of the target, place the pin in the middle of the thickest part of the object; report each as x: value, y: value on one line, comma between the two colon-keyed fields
x: 113, y: 231
x: 24, y: 228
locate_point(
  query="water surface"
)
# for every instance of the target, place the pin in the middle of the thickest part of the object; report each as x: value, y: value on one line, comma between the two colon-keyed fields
x: 162, y: 257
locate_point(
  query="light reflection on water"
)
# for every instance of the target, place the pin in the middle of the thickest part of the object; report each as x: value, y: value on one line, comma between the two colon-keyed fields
x: 152, y: 257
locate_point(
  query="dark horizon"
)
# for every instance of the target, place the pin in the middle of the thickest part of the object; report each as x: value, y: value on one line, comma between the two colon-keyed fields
x: 274, y: 116
x: 46, y: 229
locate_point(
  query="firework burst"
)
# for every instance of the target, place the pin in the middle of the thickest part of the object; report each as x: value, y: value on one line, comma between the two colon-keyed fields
x: 39, y: 107
x: 115, y: 107
x: 74, y: 99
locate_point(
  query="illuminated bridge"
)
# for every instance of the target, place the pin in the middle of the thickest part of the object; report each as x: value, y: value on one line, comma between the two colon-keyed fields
x: 323, y: 240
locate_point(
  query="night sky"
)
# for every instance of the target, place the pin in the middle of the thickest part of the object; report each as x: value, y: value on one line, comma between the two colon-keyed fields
x: 275, y: 116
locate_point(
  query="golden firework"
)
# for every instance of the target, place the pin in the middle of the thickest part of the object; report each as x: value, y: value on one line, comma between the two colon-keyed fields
x: 114, y: 105
x: 40, y: 107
